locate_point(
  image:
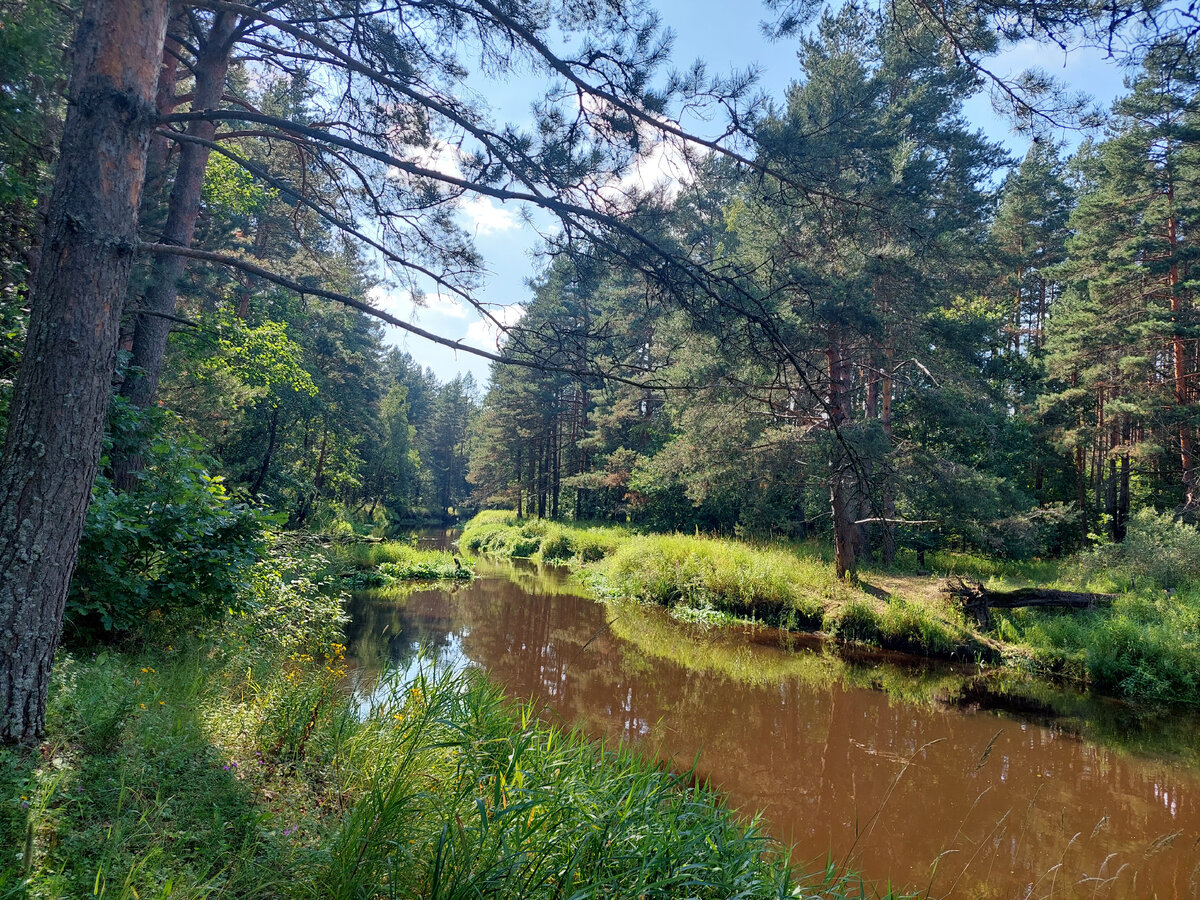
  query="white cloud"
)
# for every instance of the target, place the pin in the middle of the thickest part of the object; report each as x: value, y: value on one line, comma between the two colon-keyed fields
x: 485, y: 333
x: 405, y: 305
x: 488, y: 218
x: 440, y: 156
x: 663, y: 165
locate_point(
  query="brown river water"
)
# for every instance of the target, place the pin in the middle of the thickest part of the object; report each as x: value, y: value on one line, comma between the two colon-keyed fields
x: 932, y: 779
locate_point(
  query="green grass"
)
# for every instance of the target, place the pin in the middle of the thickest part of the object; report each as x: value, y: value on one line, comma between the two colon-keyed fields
x: 751, y: 582
x: 500, y: 533
x: 378, y: 564
x: 1145, y: 647
x: 237, y: 764
x: 983, y: 568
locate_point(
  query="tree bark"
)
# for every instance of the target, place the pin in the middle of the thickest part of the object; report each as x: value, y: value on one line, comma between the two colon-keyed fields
x: 61, y: 396
x: 840, y: 482
x: 152, y: 331
x: 978, y: 601
x: 272, y: 434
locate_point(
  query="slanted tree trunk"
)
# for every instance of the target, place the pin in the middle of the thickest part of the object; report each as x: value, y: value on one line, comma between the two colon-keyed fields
x: 152, y: 331
x: 61, y: 397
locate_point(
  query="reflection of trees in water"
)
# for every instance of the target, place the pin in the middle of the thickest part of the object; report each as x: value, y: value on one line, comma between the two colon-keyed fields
x: 816, y: 750
x: 387, y: 627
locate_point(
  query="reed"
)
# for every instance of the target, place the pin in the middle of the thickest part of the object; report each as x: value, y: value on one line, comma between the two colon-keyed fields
x: 237, y: 764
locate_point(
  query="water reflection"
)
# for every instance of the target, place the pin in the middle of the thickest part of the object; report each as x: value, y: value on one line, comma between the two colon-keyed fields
x: 925, y: 782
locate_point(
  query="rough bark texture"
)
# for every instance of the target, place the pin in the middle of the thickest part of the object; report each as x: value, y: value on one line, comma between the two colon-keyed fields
x: 61, y: 396
x: 152, y: 331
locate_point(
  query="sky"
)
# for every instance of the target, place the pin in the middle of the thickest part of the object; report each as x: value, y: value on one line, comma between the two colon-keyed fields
x: 728, y: 37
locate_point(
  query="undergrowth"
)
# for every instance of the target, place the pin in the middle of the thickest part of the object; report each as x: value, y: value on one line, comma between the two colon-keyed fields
x: 236, y: 761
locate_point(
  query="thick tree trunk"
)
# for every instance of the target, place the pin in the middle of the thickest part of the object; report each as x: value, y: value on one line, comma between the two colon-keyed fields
x: 61, y: 396
x: 152, y: 331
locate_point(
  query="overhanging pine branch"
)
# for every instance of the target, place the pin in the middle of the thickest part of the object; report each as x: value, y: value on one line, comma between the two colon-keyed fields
x: 362, y: 306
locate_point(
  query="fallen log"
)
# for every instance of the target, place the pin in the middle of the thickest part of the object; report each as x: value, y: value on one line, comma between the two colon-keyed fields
x: 978, y: 601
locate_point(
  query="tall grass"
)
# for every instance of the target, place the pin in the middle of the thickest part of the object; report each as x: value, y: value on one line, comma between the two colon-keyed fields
x: 238, y: 764
x: 767, y: 584
x: 380, y: 563
x: 500, y: 533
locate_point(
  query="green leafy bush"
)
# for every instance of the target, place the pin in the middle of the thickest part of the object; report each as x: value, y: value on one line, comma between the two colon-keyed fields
x: 178, y: 543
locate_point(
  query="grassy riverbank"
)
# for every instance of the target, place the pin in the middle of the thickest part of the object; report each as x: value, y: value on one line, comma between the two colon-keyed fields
x: 1145, y: 646
x: 236, y: 761
x: 382, y: 563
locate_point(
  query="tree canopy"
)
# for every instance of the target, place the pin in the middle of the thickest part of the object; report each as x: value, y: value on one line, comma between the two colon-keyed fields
x: 841, y: 322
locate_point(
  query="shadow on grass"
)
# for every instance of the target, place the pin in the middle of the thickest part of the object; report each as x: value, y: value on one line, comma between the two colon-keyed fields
x: 129, y: 797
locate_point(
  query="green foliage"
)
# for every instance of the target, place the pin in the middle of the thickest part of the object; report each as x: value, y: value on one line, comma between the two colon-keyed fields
x: 229, y: 185
x: 236, y: 763
x: 262, y: 356
x: 1146, y: 647
x: 178, y: 544
x: 1158, y: 547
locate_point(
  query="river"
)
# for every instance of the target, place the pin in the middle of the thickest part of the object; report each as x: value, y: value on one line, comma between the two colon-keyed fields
x: 929, y: 777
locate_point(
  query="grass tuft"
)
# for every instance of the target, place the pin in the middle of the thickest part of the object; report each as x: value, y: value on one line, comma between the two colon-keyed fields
x: 1145, y: 647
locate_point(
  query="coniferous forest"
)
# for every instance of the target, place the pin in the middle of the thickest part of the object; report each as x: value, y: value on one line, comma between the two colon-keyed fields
x: 858, y: 371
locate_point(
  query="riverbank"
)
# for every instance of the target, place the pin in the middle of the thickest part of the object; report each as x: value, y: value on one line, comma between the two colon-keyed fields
x: 243, y: 760
x: 1144, y: 647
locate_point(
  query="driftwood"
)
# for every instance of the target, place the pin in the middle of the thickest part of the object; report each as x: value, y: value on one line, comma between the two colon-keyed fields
x: 978, y: 601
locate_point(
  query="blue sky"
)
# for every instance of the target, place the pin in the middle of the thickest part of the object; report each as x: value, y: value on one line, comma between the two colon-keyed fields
x: 727, y: 36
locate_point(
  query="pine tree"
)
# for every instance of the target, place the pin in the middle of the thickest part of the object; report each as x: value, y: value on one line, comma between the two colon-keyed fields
x: 1123, y: 351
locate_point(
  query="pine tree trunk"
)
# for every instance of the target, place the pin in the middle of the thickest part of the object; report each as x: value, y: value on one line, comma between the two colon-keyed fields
x: 151, y: 332
x: 1191, y: 496
x: 840, y: 481
x: 61, y: 396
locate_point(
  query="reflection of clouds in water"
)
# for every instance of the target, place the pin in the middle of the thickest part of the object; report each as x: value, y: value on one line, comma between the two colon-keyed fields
x: 410, y: 661
x: 787, y: 742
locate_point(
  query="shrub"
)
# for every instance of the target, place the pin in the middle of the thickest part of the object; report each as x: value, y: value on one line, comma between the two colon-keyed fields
x: 1159, y: 547
x: 178, y: 543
